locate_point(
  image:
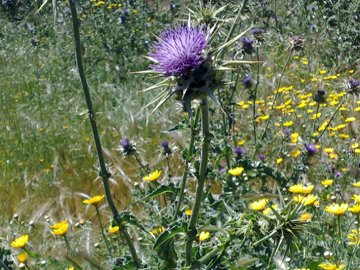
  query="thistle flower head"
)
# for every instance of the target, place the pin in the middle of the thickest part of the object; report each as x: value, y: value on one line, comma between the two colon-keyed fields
x: 178, y: 51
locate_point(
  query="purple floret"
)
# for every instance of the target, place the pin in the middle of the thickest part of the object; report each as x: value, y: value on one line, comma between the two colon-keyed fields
x: 178, y: 50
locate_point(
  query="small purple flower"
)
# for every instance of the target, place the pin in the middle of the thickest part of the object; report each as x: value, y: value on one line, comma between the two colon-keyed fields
x: 247, y: 44
x: 320, y: 96
x: 178, y: 51
x: 222, y: 170
x: 247, y: 82
x: 311, y: 149
x: 286, y: 132
x: 165, y: 146
x: 354, y: 84
x: 257, y: 31
x: 338, y: 174
x: 239, y: 152
x: 127, y: 147
x: 261, y: 157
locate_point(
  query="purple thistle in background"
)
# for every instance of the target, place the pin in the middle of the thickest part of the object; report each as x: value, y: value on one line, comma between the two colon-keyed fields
x: 178, y: 51
x: 311, y: 149
x: 127, y: 147
x: 262, y: 157
x: 354, y: 84
x: 165, y: 146
x: 247, y: 82
x: 239, y: 152
x: 247, y: 44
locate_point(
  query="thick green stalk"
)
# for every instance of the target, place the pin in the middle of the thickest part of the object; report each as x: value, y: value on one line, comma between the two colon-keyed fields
x: 188, y: 158
x: 103, y: 171
x: 201, y: 180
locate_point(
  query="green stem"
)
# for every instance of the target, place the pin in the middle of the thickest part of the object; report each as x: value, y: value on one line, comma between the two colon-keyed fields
x: 102, y: 230
x: 201, y: 180
x: 103, y: 171
x: 169, y: 168
x: 188, y: 159
x: 67, y: 244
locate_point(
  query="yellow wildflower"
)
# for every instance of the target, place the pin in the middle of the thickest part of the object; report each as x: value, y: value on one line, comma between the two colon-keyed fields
x: 357, y: 184
x: 258, y: 205
x: 20, y: 242
x: 22, y: 257
x: 204, y: 236
x: 354, y: 237
x: 236, y: 171
x: 305, y: 217
x: 350, y: 119
x: 188, y: 212
x: 241, y: 143
x: 112, y: 229
x: 279, y: 160
x: 327, y: 182
x: 307, y: 200
x: 331, y: 266
x: 300, y: 188
x: 288, y: 124
x: 157, y: 230
x: 355, y: 209
x: 60, y: 228
x: 356, y: 198
x: 294, y: 137
x: 328, y: 150
x: 152, y: 176
x: 337, y: 209
x: 94, y: 200
x: 295, y: 153
x: 268, y: 209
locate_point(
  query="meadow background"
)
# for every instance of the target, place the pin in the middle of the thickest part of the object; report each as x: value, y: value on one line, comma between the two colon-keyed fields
x: 48, y: 163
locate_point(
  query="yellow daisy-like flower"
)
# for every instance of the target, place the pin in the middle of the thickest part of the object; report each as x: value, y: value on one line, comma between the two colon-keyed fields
x: 60, y: 228
x: 305, y: 217
x: 152, y: 176
x: 327, y: 182
x: 294, y: 137
x: 288, y: 124
x: 20, y: 242
x: 307, y: 200
x: 71, y: 268
x: 357, y: 184
x: 300, y: 188
x: 268, y: 209
x: 350, y: 119
x: 295, y: 153
x: 279, y: 160
x: 354, y: 237
x: 204, y: 236
x: 22, y: 257
x: 112, y: 229
x: 94, y: 200
x: 258, y: 205
x: 188, y: 212
x: 337, y: 209
x: 356, y: 198
x: 355, y: 209
x: 236, y: 171
x: 157, y: 230
x: 331, y: 266
x: 328, y: 150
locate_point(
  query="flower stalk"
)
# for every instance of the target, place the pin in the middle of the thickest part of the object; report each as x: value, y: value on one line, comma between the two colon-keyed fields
x: 102, y: 230
x: 105, y: 175
x: 201, y: 180
x: 186, y: 170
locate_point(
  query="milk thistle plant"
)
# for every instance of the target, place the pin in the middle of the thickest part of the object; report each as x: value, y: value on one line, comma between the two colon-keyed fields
x: 187, y: 59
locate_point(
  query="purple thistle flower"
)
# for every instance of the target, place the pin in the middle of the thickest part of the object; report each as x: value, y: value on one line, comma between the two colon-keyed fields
x: 239, y: 152
x: 354, y: 84
x: 262, y: 157
x: 247, y: 44
x: 165, y: 146
x: 127, y: 147
x: 338, y: 174
x: 178, y: 51
x: 247, y: 82
x: 311, y: 149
